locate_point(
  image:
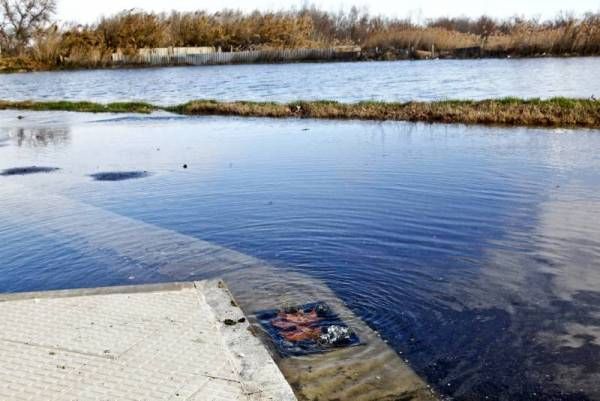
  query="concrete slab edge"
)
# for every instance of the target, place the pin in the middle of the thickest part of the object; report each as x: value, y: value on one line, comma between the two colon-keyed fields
x: 80, y: 292
x: 261, y: 377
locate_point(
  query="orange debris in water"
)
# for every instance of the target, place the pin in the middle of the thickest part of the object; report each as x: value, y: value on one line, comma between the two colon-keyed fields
x: 302, y: 334
x: 298, y: 326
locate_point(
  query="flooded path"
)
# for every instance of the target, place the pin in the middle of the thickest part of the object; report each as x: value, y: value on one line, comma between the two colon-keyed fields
x: 473, y: 252
x: 372, y: 371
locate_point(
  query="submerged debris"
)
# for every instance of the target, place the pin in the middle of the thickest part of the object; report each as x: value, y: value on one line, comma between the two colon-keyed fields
x: 307, y: 329
x: 27, y: 170
x: 119, y: 175
x: 231, y: 322
x: 336, y: 335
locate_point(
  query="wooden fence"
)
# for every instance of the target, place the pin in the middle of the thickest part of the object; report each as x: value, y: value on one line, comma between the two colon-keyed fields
x: 149, y: 57
x: 175, y: 51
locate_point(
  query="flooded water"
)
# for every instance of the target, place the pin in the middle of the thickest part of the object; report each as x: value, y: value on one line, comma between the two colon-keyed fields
x: 349, y: 82
x: 473, y: 252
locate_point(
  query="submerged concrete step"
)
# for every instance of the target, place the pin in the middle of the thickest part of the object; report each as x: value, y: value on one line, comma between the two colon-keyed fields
x: 373, y: 372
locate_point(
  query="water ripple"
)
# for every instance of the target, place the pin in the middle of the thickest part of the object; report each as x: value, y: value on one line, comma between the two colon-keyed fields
x: 472, y: 251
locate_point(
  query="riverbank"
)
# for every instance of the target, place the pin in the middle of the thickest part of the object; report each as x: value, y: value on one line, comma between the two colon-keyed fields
x: 14, y: 65
x: 555, y: 112
x: 9, y: 65
x: 135, y: 31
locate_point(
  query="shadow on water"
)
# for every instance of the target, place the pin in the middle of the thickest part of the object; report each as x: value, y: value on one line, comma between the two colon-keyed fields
x: 27, y: 170
x: 120, y: 175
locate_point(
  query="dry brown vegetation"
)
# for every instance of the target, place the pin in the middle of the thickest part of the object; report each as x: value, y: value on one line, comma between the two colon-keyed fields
x: 557, y: 112
x: 309, y: 27
x: 566, y: 35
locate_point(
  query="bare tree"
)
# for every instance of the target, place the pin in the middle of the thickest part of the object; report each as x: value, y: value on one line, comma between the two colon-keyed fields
x: 21, y: 19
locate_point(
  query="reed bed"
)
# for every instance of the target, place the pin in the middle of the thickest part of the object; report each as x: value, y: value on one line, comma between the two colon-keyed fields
x: 91, y: 46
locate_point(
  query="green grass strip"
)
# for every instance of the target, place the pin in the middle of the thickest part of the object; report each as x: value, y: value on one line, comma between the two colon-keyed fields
x: 555, y: 112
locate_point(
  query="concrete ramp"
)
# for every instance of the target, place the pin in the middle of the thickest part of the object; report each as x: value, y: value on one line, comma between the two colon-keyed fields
x: 373, y: 372
x: 155, y: 342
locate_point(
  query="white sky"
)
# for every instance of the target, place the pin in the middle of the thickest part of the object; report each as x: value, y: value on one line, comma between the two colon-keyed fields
x: 88, y: 11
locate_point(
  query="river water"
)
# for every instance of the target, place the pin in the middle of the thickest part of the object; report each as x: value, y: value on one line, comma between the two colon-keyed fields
x: 474, y: 252
x: 348, y: 82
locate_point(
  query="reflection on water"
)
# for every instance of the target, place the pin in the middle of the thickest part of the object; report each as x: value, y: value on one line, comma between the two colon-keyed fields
x: 556, y: 305
x: 474, y: 252
x: 41, y: 137
x: 392, y: 81
x: 37, y: 136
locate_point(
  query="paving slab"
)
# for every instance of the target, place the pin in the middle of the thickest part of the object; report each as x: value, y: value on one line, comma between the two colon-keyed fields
x: 150, y: 342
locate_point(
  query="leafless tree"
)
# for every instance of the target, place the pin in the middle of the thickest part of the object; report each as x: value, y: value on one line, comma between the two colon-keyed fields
x: 21, y: 19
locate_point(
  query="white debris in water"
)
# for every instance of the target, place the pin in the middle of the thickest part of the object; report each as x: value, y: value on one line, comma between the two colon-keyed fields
x: 336, y: 335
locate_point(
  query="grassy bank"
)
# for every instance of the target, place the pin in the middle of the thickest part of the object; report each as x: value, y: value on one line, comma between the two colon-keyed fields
x: 556, y: 112
x: 84, y: 107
